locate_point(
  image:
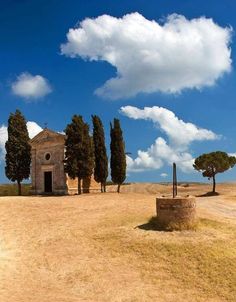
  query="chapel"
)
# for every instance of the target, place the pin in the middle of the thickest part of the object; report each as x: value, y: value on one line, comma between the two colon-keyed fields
x: 47, y: 166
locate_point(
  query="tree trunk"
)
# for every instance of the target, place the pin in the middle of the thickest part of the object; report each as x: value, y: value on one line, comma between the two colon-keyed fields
x: 118, y: 188
x: 19, y: 188
x: 79, y: 186
x: 214, y: 184
x: 101, y: 187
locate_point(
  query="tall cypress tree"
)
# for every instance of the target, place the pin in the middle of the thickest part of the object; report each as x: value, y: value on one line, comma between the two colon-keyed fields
x: 86, y: 162
x: 73, y: 145
x: 79, y: 150
x: 101, y: 160
x: 18, y: 149
x: 118, y: 158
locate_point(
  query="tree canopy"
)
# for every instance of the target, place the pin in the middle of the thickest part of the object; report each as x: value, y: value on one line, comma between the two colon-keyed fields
x: 213, y: 163
x: 18, y: 149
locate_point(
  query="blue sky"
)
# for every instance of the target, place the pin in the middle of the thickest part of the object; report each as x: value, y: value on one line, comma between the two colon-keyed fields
x: 31, y: 34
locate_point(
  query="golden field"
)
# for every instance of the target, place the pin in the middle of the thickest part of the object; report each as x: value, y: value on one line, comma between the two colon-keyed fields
x: 101, y: 247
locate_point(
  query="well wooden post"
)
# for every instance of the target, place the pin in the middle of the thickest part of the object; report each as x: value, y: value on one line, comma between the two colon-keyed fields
x: 174, y: 181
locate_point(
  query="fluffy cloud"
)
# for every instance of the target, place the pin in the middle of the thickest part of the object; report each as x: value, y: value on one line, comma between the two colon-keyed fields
x: 31, y: 87
x: 33, y: 129
x: 164, y: 175
x: 179, y: 134
x: 157, y: 155
x: 150, y: 56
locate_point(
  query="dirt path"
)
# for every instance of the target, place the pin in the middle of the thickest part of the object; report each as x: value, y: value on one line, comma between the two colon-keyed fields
x: 221, y: 206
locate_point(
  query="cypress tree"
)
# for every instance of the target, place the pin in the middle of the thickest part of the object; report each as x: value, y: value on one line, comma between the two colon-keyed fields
x: 101, y: 160
x: 73, y: 145
x: 18, y: 149
x: 86, y: 161
x: 79, y: 150
x: 118, y: 158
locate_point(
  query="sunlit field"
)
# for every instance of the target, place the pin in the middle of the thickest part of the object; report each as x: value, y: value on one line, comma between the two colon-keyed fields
x: 102, y: 247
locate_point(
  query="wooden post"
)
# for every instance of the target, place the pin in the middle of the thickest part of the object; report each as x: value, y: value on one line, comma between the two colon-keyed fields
x: 174, y: 181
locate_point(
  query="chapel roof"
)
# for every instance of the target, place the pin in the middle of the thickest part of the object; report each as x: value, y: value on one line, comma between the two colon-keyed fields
x: 47, y: 135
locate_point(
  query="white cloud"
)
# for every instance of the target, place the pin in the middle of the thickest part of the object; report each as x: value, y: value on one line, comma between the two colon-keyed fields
x: 151, y: 56
x: 157, y: 155
x: 33, y: 129
x: 3, y: 139
x: 31, y: 87
x: 179, y: 134
x: 164, y: 175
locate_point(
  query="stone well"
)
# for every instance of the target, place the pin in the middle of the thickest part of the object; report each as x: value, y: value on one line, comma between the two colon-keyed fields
x: 176, y: 213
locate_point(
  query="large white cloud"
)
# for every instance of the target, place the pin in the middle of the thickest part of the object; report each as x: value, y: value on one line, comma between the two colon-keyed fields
x: 180, y: 133
x: 157, y: 155
x: 175, y: 149
x: 31, y: 87
x: 33, y: 129
x: 150, y: 56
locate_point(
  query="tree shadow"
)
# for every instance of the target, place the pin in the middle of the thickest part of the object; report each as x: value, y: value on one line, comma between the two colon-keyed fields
x: 209, y: 194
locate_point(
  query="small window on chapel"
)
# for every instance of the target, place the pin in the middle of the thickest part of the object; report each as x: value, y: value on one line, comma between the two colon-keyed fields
x: 47, y: 156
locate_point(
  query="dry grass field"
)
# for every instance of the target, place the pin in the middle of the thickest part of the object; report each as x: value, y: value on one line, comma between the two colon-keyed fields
x: 101, y: 247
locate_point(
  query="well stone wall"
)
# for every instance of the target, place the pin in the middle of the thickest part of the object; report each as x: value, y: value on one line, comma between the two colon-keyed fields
x: 176, y: 213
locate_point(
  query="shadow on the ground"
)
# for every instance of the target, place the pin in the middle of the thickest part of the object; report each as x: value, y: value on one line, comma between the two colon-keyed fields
x: 209, y: 194
x: 152, y: 225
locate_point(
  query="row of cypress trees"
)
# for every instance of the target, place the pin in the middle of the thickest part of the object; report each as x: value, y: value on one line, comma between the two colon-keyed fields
x: 87, y: 154
x: 84, y: 155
